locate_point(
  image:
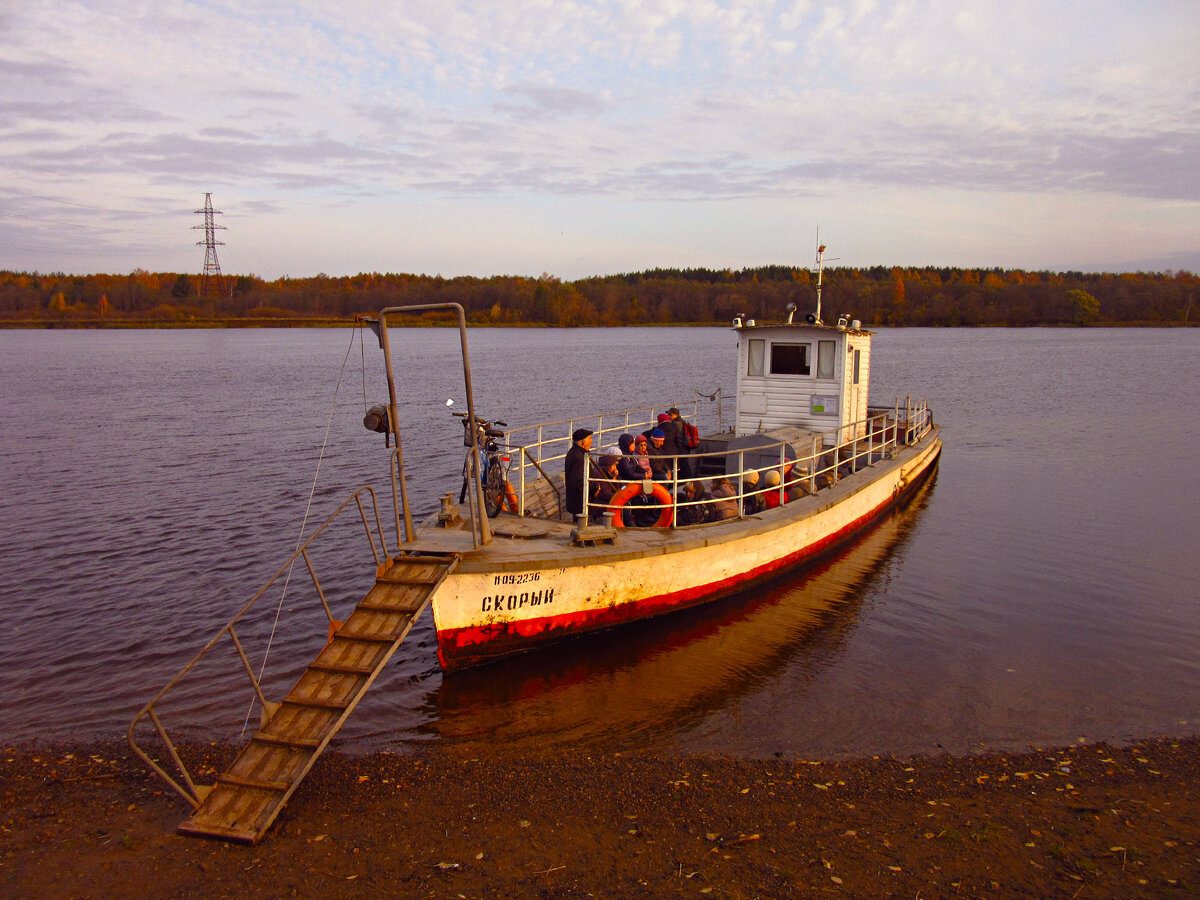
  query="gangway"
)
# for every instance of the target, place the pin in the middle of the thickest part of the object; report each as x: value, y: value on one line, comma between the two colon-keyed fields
x: 245, y: 799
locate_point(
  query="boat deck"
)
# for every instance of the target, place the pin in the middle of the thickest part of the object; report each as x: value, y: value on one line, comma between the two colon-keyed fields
x: 534, y: 542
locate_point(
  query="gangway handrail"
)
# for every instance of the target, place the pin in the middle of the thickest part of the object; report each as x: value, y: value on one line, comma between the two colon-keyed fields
x: 193, y: 794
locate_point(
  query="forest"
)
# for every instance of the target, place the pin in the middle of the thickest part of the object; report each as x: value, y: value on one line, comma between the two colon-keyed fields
x: 879, y: 295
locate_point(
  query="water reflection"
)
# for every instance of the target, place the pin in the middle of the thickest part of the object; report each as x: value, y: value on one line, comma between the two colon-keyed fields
x: 643, y: 685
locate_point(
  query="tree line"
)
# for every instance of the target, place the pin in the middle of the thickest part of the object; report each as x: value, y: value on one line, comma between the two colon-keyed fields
x: 878, y: 295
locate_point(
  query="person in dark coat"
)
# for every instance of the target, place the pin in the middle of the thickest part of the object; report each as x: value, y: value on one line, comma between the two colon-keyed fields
x: 686, y: 514
x: 676, y: 440
x: 573, y: 466
x: 660, y: 455
x: 606, y: 485
x: 630, y: 464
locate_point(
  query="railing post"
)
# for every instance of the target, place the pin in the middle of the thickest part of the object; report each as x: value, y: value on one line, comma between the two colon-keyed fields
x: 674, y: 491
x: 812, y: 466
x: 587, y: 479
x: 741, y: 484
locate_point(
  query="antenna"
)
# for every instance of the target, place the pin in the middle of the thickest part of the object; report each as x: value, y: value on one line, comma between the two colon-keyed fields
x: 211, y: 283
x: 820, y: 277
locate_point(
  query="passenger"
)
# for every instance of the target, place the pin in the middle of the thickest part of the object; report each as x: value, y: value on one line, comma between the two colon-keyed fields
x: 771, y: 497
x: 693, y: 492
x: 662, y: 417
x: 635, y: 466
x: 724, y: 503
x: 661, y: 464
x: 673, y: 428
x: 606, y: 485
x: 795, y: 482
x: 574, y: 464
x: 753, y: 502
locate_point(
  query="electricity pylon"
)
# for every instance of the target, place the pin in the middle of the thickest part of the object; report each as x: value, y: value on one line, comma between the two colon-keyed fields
x: 211, y: 282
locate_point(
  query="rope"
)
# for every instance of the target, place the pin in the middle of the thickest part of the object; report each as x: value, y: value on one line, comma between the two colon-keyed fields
x: 304, y: 523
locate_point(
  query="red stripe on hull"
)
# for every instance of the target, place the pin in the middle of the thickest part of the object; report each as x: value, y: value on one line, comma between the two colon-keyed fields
x: 460, y: 648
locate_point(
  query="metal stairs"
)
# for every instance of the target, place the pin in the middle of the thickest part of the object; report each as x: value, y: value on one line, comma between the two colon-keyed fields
x: 245, y: 800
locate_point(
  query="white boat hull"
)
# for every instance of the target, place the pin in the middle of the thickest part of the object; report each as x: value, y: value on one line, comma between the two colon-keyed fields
x: 499, y: 602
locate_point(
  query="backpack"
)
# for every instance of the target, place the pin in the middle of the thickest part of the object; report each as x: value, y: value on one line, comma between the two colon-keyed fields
x: 691, y: 435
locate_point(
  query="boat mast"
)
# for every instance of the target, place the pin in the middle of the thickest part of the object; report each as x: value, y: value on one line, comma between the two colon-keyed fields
x: 820, y: 275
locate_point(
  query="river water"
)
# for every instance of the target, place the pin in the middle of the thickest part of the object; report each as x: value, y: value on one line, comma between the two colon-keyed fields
x: 1041, y: 589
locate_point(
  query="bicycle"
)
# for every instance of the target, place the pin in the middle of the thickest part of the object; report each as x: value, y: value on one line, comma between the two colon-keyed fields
x: 492, y: 462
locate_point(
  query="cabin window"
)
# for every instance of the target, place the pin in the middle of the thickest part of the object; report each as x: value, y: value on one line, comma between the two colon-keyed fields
x: 756, y: 354
x: 790, y: 359
x: 825, y: 352
x: 857, y: 364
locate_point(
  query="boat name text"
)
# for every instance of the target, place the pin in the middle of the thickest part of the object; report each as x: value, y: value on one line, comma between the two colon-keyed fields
x: 518, y: 601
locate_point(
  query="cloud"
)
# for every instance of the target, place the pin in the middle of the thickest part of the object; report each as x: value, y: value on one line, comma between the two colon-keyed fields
x: 546, y: 101
x: 579, y: 102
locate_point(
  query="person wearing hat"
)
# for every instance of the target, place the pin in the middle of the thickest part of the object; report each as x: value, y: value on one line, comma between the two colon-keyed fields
x: 573, y: 466
x: 606, y: 484
x: 752, y: 502
x: 677, y: 441
x: 660, y: 455
x: 771, y: 498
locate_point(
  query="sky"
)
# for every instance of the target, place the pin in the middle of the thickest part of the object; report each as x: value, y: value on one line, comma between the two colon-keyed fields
x: 590, y: 138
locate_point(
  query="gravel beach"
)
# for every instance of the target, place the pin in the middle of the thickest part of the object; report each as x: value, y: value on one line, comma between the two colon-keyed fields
x: 1083, y: 821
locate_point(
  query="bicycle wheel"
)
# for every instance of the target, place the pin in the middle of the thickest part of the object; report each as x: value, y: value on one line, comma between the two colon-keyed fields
x: 493, y: 488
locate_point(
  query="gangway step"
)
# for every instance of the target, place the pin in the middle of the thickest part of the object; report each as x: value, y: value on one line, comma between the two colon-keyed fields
x: 371, y: 637
x: 316, y: 703
x: 251, y: 783
x: 341, y: 669
x: 246, y: 799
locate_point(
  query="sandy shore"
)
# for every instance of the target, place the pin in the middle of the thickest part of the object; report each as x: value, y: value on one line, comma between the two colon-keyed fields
x: 1085, y: 821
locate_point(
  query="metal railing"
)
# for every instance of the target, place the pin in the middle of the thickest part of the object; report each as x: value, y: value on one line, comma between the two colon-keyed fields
x: 870, y: 440
x: 541, y: 446
x: 193, y: 793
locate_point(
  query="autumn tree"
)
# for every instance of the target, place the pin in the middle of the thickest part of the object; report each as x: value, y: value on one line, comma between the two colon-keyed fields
x: 1084, y: 305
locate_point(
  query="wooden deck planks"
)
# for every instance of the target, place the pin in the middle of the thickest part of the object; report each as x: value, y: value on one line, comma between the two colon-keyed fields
x: 246, y: 799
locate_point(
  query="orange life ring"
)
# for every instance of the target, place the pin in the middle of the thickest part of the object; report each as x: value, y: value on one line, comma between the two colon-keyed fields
x: 511, y: 503
x: 627, y: 493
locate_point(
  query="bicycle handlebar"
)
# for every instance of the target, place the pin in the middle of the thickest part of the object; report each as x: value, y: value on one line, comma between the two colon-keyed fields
x: 483, y: 422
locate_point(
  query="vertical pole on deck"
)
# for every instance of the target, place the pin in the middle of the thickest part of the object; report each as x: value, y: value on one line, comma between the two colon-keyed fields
x: 394, y: 417
x: 485, y: 530
x: 481, y: 525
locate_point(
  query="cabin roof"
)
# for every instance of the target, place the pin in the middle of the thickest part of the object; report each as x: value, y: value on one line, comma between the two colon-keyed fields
x: 750, y: 325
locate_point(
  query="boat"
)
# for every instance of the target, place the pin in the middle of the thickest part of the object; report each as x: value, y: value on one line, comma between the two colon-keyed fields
x: 809, y: 460
x: 647, y: 680
x: 805, y: 464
